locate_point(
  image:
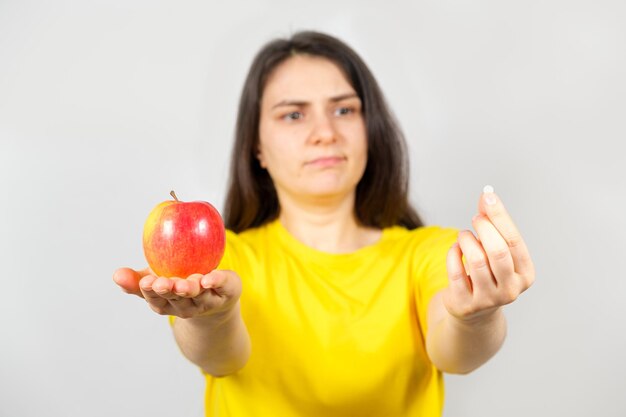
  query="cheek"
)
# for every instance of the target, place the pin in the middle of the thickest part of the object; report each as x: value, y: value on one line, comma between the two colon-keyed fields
x: 279, y: 156
x: 267, y: 145
x: 362, y: 145
x: 362, y: 157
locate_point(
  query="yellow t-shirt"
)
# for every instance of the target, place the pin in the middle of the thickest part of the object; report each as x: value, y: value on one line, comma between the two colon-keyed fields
x: 334, y: 334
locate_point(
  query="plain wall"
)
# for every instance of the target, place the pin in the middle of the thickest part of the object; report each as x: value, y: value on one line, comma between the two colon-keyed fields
x: 107, y: 105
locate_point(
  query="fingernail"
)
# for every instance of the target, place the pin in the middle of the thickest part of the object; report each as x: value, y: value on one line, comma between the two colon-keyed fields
x: 490, y: 197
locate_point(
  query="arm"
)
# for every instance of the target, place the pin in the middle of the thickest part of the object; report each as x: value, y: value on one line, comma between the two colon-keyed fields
x: 466, y: 324
x: 208, y: 326
x: 457, y: 346
x: 219, y: 344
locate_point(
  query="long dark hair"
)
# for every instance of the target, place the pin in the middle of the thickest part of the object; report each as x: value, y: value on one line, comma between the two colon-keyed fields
x: 382, y: 193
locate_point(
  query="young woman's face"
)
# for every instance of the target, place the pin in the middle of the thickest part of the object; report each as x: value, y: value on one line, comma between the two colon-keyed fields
x: 312, y: 137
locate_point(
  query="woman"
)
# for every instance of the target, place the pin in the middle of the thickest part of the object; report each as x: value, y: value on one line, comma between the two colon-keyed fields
x: 332, y: 298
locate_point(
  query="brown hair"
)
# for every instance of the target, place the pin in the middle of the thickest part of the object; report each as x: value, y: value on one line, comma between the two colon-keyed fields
x: 381, y: 194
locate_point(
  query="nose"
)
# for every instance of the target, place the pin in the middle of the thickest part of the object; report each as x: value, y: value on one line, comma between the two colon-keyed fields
x: 322, y: 130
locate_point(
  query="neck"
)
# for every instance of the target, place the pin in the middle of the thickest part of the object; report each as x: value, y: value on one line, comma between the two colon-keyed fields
x: 329, y: 227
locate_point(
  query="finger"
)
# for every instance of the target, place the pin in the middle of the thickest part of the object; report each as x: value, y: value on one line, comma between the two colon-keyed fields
x: 172, y: 296
x: 496, y: 249
x: 152, y: 297
x: 164, y: 288
x: 458, y: 298
x: 223, y: 283
x: 190, y: 287
x: 480, y: 274
x: 491, y: 206
x: 128, y: 279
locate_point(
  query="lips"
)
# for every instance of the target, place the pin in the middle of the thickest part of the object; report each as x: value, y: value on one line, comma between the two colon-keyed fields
x: 326, y: 161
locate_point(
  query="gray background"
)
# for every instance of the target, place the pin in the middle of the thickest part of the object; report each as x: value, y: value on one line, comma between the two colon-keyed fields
x: 107, y: 105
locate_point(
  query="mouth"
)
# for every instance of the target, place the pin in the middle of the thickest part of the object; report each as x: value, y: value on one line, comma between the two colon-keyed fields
x: 326, y: 161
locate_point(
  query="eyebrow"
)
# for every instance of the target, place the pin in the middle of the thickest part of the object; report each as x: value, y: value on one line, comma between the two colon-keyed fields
x: 304, y: 103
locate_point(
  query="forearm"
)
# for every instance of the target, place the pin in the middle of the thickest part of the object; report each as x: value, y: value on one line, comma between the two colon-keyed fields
x: 459, y: 347
x: 218, y: 344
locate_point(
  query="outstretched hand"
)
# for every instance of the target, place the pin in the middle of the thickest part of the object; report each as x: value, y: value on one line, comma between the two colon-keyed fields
x: 498, y: 266
x: 197, y: 295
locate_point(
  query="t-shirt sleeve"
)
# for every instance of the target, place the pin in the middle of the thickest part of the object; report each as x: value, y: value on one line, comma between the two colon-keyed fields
x: 229, y: 258
x: 432, y: 275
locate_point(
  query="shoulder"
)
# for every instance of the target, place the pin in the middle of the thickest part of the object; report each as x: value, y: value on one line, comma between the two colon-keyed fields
x: 238, y: 250
x: 419, y: 247
x: 249, y: 238
x: 243, y: 248
x: 245, y: 240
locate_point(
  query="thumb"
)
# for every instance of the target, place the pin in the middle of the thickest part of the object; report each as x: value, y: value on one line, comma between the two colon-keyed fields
x: 128, y: 279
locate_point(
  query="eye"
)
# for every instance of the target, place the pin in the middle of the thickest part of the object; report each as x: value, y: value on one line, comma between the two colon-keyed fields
x: 342, y: 111
x: 294, y: 115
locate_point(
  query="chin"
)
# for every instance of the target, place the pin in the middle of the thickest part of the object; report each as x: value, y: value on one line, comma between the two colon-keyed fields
x: 328, y: 187
x: 330, y: 191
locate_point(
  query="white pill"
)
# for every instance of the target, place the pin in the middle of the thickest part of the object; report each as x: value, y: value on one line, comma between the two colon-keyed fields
x: 488, y: 189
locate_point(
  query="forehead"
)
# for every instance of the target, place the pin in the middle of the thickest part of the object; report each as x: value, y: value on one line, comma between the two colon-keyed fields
x: 305, y: 77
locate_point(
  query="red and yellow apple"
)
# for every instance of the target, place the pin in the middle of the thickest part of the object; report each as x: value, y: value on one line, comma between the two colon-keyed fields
x: 183, y: 238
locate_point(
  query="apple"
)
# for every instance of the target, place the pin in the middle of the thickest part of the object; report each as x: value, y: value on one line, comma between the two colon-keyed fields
x: 183, y: 238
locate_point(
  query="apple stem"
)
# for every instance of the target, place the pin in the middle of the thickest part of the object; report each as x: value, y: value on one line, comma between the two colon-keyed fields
x: 173, y: 194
